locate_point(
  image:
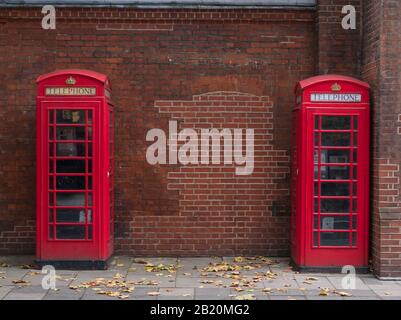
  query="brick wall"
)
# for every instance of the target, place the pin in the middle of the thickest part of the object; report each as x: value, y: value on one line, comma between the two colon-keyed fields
x: 339, y: 50
x: 381, y: 68
x: 163, y: 55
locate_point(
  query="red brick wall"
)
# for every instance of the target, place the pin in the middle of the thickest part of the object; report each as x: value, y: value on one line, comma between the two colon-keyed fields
x: 339, y: 50
x: 169, y: 55
x: 381, y: 68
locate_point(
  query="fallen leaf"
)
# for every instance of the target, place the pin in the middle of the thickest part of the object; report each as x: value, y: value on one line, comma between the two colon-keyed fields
x: 344, y: 294
x: 153, y: 293
x: 245, y: 297
x: 324, y: 292
x: 239, y: 259
x: 27, y: 266
x: 123, y: 296
x: 311, y: 279
x: 21, y: 282
x: 187, y: 274
x: 131, y: 269
x: 120, y: 264
x: 141, y: 261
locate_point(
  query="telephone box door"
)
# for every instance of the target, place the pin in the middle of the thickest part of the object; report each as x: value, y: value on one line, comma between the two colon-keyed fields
x: 337, y: 170
x: 72, y: 223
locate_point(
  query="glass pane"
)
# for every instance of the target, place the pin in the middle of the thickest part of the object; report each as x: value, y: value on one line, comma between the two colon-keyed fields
x: 51, y: 116
x: 355, y: 140
x: 335, y: 189
x: 90, y: 232
x: 51, y: 183
x: 317, y: 122
x: 51, y: 150
x: 70, y: 183
x: 70, y: 199
x: 71, y: 215
x: 89, y: 215
x: 70, y: 133
x: 70, y: 166
x: 336, y: 122
x: 70, y: 149
x: 51, y: 133
x: 332, y: 222
x: 51, y: 166
x: 51, y: 214
x: 354, y: 239
x: 70, y: 232
x: 70, y: 116
x: 89, y: 133
x: 89, y: 149
x: 89, y: 199
x: 355, y: 123
x: 335, y: 139
x: 334, y: 238
x: 333, y: 205
x: 51, y: 199
x: 89, y: 116
x: 334, y: 156
x: 317, y: 135
x: 335, y: 172
x: 51, y: 232
x: 316, y: 239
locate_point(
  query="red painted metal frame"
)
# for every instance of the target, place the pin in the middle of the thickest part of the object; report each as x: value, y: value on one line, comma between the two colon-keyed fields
x: 306, y: 253
x: 99, y: 246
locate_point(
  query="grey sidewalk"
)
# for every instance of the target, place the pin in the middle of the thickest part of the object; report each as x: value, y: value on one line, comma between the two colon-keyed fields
x: 217, y: 278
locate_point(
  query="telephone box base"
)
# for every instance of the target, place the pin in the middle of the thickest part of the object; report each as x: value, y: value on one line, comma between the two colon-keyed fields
x: 325, y: 269
x: 75, y: 264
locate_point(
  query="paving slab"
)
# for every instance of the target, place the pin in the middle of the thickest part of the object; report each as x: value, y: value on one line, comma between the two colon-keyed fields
x: 63, y: 294
x: 144, y: 280
x: 176, y: 294
x: 202, y: 282
x: 26, y: 293
x: 305, y: 281
x: 212, y: 293
x: 5, y: 290
x: 337, y: 282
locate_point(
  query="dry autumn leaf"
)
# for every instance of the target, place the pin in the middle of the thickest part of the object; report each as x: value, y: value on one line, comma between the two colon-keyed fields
x: 344, y: 294
x: 245, y: 297
x: 311, y: 279
x: 153, y: 293
x: 324, y: 292
x: 21, y: 282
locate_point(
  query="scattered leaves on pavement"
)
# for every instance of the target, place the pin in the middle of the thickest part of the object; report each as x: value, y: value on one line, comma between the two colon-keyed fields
x: 160, y: 267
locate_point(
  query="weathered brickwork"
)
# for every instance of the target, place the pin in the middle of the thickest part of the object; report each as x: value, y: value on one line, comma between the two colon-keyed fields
x: 171, y: 64
x: 381, y: 68
x: 153, y: 55
x: 339, y: 50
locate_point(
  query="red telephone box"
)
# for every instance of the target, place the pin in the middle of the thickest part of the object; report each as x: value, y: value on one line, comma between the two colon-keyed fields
x: 74, y: 169
x: 330, y: 173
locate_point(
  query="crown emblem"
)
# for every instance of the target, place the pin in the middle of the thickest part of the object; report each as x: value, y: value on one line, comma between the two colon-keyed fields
x: 70, y: 80
x: 336, y: 87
